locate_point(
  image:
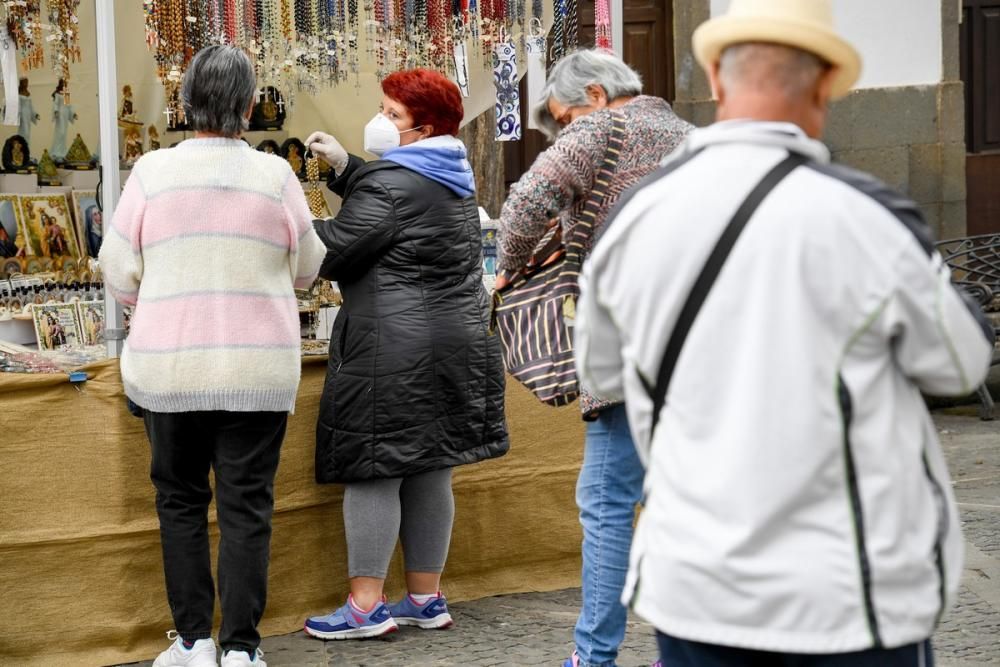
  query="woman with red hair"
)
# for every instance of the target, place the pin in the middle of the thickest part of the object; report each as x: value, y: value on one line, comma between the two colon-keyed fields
x: 415, y: 384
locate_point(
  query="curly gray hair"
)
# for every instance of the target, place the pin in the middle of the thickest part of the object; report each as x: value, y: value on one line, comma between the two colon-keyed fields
x: 567, y: 83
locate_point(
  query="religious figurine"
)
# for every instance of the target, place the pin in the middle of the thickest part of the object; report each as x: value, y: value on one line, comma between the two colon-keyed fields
x: 269, y: 112
x: 26, y: 110
x: 127, y: 121
x: 127, y: 113
x: 154, y: 138
x: 16, y: 157
x: 47, y: 172
x: 63, y: 115
x: 269, y: 146
x: 294, y: 152
x: 133, y: 147
x: 79, y: 156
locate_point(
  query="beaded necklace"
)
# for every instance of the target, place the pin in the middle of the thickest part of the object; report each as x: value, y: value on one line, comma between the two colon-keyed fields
x: 602, y: 24
x: 66, y: 35
x: 314, y: 195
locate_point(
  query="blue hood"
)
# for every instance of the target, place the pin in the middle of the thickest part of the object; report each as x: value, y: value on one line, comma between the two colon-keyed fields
x: 442, y: 159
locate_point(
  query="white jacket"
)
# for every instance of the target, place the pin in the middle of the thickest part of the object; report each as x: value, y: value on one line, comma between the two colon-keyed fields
x: 797, y: 499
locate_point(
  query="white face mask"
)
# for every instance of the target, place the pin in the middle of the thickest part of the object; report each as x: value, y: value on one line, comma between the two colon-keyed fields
x: 381, y: 135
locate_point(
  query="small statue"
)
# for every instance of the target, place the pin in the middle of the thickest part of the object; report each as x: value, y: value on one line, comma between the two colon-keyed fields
x: 47, y: 172
x: 133, y: 147
x: 26, y: 110
x: 154, y: 138
x: 63, y: 115
x: 79, y: 156
x: 127, y: 113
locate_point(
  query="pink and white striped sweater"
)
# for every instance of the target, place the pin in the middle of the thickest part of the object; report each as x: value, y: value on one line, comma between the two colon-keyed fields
x: 207, y: 243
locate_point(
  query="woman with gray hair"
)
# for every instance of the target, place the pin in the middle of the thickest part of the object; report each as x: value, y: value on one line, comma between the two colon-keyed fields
x: 575, y: 110
x: 208, y: 242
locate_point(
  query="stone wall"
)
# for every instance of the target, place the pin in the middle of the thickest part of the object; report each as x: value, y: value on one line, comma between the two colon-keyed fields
x: 913, y: 138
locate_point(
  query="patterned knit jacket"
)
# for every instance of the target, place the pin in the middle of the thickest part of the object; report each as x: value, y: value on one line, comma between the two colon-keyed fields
x: 560, y: 181
x: 208, y: 241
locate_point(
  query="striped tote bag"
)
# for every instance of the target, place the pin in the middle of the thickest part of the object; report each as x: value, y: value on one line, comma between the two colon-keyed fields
x: 534, y: 314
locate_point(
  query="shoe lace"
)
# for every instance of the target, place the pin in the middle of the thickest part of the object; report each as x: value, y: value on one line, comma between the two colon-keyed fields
x: 172, y: 635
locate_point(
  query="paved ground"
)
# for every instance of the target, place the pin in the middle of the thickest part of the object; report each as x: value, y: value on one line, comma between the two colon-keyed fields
x: 536, y: 628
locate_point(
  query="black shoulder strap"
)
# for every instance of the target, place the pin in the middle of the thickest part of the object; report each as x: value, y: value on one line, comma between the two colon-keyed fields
x: 706, y: 279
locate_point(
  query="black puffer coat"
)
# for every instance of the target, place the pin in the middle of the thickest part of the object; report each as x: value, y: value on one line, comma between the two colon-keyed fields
x: 415, y: 381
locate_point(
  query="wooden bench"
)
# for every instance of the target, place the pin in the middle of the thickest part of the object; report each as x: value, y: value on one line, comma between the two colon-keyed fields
x: 975, y: 267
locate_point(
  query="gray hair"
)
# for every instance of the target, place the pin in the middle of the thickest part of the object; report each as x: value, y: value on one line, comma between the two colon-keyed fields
x: 217, y: 90
x: 568, y: 80
x: 776, y: 68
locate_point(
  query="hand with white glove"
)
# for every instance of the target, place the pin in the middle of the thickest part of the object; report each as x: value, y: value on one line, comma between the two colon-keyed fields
x: 328, y: 149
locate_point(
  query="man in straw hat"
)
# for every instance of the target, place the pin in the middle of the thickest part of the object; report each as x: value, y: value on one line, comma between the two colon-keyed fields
x: 798, y: 507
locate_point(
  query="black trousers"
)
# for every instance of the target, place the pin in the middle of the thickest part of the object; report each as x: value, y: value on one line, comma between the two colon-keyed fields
x: 682, y: 653
x: 242, y: 448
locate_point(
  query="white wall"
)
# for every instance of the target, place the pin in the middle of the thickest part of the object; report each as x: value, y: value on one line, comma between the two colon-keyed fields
x: 899, y: 40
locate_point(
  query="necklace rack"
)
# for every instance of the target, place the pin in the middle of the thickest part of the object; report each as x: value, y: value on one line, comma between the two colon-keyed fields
x: 311, y: 44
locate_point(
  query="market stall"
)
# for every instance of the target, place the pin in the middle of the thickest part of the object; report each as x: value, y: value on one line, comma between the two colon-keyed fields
x: 81, y: 581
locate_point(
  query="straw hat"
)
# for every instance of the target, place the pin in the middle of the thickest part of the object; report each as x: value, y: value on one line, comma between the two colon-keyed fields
x: 803, y: 24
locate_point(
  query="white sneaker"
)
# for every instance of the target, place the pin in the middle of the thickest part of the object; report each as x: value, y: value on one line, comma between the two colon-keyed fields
x: 202, y: 654
x: 243, y: 659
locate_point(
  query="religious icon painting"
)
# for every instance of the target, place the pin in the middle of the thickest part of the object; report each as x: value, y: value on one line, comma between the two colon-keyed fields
x: 89, y: 222
x: 48, y: 226
x: 91, y: 315
x: 294, y: 151
x: 11, y: 239
x: 269, y: 111
x: 57, y: 325
x: 16, y: 156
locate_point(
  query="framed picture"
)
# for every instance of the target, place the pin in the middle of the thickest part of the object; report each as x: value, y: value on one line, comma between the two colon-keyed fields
x: 91, y: 321
x: 89, y: 222
x: 48, y: 226
x: 57, y: 325
x: 11, y: 240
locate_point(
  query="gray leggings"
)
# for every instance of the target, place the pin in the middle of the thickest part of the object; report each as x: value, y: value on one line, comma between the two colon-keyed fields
x: 418, y: 509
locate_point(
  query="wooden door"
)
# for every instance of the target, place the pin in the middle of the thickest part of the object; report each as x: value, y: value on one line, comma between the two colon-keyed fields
x: 648, y: 47
x: 980, y: 61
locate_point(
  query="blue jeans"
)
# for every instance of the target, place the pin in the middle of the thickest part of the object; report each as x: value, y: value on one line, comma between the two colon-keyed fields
x: 684, y: 653
x: 607, y: 492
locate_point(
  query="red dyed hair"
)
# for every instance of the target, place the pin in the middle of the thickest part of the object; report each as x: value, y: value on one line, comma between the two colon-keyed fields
x: 430, y: 97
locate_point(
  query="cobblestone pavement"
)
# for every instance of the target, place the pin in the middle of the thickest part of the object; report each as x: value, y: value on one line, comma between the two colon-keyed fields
x: 536, y: 628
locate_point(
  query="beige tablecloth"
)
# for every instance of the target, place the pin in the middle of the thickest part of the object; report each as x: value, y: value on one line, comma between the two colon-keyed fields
x: 81, y: 581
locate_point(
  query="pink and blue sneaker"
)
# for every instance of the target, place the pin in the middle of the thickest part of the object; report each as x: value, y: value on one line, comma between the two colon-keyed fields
x: 431, y: 615
x: 350, y: 622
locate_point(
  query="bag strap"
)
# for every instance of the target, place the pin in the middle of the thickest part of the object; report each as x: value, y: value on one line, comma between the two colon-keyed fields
x: 583, y: 225
x: 706, y: 279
